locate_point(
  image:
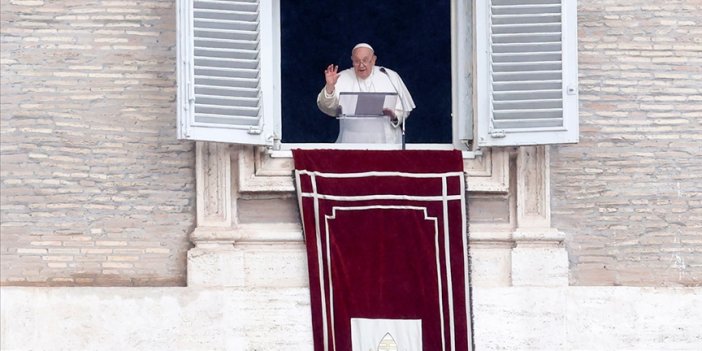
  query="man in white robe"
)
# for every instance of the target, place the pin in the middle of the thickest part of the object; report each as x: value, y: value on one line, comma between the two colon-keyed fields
x: 364, y: 76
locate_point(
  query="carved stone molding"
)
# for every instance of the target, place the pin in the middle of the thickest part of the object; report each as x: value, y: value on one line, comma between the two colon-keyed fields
x: 534, y: 196
x: 259, y: 171
x: 213, y: 184
x: 484, y: 232
x: 521, y: 249
x: 214, y: 237
x: 539, y: 257
x: 213, y: 176
x: 489, y: 173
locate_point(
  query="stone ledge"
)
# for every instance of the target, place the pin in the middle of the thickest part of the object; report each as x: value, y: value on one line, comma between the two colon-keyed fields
x: 512, y: 318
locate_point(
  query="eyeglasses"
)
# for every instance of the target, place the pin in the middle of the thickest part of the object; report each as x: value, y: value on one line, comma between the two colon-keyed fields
x: 365, y: 61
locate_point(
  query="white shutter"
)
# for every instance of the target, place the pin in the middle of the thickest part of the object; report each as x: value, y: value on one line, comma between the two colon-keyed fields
x: 527, y: 72
x: 226, y: 71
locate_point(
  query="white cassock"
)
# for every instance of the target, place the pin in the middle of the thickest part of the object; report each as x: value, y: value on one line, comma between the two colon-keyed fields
x: 378, y: 81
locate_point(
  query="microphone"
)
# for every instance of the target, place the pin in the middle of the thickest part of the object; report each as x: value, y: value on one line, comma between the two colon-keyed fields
x: 402, y: 103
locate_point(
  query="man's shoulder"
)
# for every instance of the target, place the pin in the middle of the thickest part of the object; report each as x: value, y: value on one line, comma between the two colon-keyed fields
x: 346, y: 78
x: 348, y: 73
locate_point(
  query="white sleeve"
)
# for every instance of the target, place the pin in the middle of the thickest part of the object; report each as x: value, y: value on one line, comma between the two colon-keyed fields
x: 405, y: 103
x: 328, y: 103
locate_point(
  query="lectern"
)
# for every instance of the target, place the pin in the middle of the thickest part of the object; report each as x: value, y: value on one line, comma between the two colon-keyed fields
x: 361, y: 117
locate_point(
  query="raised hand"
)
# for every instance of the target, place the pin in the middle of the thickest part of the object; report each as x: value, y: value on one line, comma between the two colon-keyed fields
x: 331, y: 75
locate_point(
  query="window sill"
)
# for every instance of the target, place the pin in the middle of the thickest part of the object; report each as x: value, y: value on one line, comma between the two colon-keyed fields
x: 286, y: 149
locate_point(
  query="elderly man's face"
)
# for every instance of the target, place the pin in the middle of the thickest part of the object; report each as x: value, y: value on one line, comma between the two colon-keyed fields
x: 363, y: 61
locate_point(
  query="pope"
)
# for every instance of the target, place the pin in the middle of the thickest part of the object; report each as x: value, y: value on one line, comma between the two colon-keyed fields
x: 365, y: 76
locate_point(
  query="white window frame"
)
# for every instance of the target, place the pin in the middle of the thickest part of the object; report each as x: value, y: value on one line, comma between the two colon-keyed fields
x: 470, y: 88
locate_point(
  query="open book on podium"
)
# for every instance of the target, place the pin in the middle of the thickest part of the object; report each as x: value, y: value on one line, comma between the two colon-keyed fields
x: 361, y: 117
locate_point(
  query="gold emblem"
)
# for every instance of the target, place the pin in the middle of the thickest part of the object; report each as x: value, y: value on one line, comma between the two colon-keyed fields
x: 387, y: 343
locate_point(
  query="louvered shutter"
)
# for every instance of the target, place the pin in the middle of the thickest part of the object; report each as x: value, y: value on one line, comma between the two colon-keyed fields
x: 527, y: 72
x: 225, y: 63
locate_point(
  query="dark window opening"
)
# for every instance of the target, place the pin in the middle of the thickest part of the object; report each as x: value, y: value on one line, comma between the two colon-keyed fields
x: 410, y: 37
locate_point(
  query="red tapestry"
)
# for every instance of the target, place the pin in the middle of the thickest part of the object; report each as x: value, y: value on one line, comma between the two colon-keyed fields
x: 386, y: 246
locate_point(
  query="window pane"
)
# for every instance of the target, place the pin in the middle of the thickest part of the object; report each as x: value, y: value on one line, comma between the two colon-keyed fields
x: 411, y: 37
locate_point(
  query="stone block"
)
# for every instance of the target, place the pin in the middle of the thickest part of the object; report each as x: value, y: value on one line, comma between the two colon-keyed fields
x: 491, y: 265
x: 539, y: 266
x: 223, y: 267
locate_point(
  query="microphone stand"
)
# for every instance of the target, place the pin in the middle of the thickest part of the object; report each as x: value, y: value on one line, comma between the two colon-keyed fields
x: 402, y: 102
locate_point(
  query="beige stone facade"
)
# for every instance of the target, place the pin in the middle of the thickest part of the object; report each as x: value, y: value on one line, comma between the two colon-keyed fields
x: 95, y: 190
x: 628, y: 195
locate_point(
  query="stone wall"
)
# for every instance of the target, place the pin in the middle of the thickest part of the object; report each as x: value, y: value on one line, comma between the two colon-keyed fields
x: 527, y: 318
x: 95, y: 190
x: 629, y: 195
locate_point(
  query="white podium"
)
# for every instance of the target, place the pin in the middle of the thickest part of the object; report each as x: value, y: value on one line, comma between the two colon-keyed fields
x: 362, y: 120
x: 364, y: 130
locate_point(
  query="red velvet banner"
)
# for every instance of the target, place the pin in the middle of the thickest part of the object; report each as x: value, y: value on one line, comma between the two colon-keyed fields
x: 386, y: 245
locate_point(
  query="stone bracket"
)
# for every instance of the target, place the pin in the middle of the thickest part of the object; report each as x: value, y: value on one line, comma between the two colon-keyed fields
x: 213, y: 184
